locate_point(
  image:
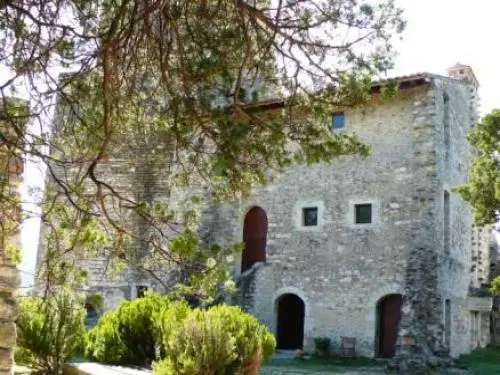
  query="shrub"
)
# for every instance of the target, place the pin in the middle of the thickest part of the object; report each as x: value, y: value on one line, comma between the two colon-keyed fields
x: 103, y: 342
x: 129, y: 335
x: 222, y: 340
x: 167, y: 320
x: 322, y: 346
x: 50, y: 331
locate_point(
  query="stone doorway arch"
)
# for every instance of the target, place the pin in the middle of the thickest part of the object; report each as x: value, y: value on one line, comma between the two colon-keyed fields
x: 290, y: 321
x: 254, y: 238
x: 388, y: 318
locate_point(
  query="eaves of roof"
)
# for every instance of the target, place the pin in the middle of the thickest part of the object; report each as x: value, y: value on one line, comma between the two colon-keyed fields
x: 403, y: 82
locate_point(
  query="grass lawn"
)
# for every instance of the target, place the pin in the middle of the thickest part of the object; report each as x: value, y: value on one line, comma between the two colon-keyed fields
x: 482, y: 361
x: 479, y: 362
x: 318, y: 365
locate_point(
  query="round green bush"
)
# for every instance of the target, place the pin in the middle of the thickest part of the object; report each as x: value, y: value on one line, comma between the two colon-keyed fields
x: 223, y: 340
x: 129, y: 335
x: 103, y: 342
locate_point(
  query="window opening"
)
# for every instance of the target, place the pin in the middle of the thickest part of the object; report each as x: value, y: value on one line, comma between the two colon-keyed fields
x: 363, y: 213
x: 310, y: 216
x: 338, y: 119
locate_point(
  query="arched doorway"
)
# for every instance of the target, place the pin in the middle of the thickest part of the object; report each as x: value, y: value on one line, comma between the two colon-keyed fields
x: 388, y: 317
x: 92, y: 315
x: 254, y: 237
x: 291, y: 312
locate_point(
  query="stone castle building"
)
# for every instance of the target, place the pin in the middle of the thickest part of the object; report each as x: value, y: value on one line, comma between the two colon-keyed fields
x: 372, y: 253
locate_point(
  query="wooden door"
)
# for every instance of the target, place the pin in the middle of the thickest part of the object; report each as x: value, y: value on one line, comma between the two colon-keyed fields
x: 389, y: 313
x: 254, y: 238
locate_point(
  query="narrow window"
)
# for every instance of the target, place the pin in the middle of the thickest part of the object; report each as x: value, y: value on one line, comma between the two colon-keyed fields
x: 141, y: 291
x: 475, y: 328
x: 363, y: 213
x: 447, y: 323
x: 338, y: 120
x: 446, y: 125
x: 446, y: 222
x: 310, y: 216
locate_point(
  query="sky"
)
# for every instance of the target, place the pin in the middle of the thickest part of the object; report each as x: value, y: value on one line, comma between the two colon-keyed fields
x: 439, y: 34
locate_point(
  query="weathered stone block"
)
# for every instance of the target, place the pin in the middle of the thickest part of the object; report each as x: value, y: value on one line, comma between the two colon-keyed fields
x: 10, y: 279
x: 7, y: 335
x: 8, y: 309
x: 6, y: 359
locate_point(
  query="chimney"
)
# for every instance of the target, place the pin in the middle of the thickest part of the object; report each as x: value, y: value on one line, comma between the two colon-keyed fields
x: 465, y: 72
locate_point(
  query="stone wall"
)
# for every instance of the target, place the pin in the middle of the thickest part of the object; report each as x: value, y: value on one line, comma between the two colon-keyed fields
x: 341, y: 270
x: 129, y: 171
x: 10, y: 280
x: 455, y: 265
x: 11, y: 169
x: 482, y: 241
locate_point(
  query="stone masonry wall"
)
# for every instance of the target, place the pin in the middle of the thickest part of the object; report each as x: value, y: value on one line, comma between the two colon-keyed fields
x: 340, y: 269
x: 132, y: 174
x: 10, y: 280
x: 453, y: 166
x: 11, y: 169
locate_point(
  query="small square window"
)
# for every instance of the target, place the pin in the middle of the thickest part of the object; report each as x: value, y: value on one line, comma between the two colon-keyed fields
x: 338, y: 120
x: 310, y: 216
x: 363, y: 213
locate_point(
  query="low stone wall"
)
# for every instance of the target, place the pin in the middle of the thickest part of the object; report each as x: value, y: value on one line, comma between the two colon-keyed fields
x: 10, y: 280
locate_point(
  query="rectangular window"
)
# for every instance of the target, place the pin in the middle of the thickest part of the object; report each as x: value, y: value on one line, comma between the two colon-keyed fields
x: 310, y: 216
x: 446, y: 222
x: 338, y: 120
x: 363, y: 213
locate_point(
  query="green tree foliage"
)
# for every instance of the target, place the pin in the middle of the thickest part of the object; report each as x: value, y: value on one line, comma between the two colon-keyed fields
x: 482, y: 190
x: 11, y: 167
x: 495, y: 286
x: 103, y: 342
x: 132, y: 334
x: 50, y: 331
x: 172, y: 89
x: 221, y: 340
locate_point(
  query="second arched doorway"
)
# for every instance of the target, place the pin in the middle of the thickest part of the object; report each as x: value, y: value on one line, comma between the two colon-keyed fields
x: 388, y: 318
x: 254, y: 238
x: 290, y: 322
